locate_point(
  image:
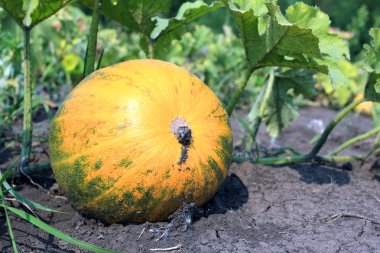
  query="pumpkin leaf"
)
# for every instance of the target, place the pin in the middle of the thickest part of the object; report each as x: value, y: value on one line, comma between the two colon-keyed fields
x: 372, y: 58
x: 278, y: 107
x: 28, y: 13
x: 136, y: 15
x: 167, y: 30
x: 291, y: 40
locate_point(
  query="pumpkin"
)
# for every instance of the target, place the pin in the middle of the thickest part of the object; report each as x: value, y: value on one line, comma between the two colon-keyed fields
x: 365, y: 107
x: 136, y: 140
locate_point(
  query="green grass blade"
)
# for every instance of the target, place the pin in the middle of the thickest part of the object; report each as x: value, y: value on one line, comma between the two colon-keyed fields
x: 11, y: 235
x: 14, y: 244
x: 55, y: 232
x: 27, y: 201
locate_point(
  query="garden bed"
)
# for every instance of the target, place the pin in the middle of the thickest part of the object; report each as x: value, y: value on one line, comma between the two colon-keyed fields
x: 297, y: 208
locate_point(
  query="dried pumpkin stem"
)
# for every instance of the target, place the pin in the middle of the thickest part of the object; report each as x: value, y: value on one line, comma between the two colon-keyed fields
x: 181, y: 130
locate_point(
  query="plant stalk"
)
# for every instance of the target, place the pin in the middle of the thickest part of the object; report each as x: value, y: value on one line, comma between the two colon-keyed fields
x: 151, y: 48
x: 354, y: 140
x: 277, y: 161
x: 322, y: 139
x: 256, y: 127
x: 27, y: 121
x: 246, y: 127
x: 235, y: 97
x: 89, y: 62
x: 35, y: 168
x: 272, y: 160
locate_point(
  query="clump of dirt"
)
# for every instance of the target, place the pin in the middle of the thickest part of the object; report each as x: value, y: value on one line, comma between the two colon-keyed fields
x: 299, y: 208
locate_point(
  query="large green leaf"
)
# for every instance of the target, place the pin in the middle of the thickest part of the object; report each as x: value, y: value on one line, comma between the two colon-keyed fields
x: 300, y: 39
x: 167, y: 30
x: 28, y: 13
x: 136, y: 15
x: 372, y: 53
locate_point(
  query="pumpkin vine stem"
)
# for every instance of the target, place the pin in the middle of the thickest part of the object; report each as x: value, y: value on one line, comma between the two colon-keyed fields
x: 313, y: 156
x: 283, y: 161
x: 354, y: 140
x: 321, y: 141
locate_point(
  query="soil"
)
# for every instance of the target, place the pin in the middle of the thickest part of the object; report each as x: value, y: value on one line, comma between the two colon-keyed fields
x: 298, y: 208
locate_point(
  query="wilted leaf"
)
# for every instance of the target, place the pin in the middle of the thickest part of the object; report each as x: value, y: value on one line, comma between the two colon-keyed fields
x: 28, y: 13
x: 372, y: 53
x: 272, y: 39
x: 167, y: 30
x: 278, y: 108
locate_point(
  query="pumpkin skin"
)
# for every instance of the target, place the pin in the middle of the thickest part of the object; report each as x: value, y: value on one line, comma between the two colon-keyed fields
x: 365, y: 107
x: 113, y: 151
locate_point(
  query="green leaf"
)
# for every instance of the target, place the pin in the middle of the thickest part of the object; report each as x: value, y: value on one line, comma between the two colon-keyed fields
x: 372, y: 51
x: 28, y: 13
x: 28, y: 7
x: 10, y: 230
x: 167, y: 30
x: 137, y: 15
x: 299, y: 39
x: 9, y: 224
x: 372, y: 88
x: 277, y: 107
x: 55, y: 232
x: 372, y: 55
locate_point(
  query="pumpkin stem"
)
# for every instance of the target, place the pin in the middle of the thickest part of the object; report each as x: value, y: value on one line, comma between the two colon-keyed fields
x: 181, y: 130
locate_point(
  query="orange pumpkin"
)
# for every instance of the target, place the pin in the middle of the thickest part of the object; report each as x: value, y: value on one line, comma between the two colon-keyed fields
x: 134, y: 141
x: 365, y: 107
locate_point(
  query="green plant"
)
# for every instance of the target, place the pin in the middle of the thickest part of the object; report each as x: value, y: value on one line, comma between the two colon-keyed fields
x: 278, y: 61
x: 27, y: 14
x: 336, y: 97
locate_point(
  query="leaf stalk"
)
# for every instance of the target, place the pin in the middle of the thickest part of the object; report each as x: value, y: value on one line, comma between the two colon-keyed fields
x: 89, y: 62
x: 27, y: 121
x: 235, y: 97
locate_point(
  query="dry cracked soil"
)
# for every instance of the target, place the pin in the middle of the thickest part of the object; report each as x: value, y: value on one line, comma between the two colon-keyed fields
x: 299, y: 208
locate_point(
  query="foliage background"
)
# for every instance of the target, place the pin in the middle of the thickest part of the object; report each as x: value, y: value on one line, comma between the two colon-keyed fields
x: 210, y: 48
